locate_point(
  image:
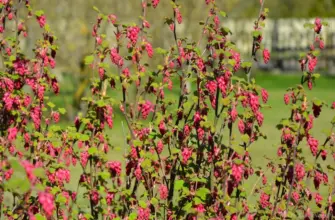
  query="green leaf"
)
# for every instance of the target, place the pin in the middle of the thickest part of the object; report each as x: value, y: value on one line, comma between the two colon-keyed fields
x: 101, y: 103
x: 333, y: 121
x: 62, y: 110
x: 38, y: 216
x: 133, y: 216
x: 142, y: 204
x: 187, y: 207
x: 238, y: 149
x: 223, y: 14
x: 89, y: 59
x: 84, y: 137
x: 178, y: 184
x: 39, y: 13
x: 51, y: 105
x: 245, y: 138
x: 308, y: 25
x: 256, y: 33
x: 159, y: 50
x: 246, y: 64
x: 96, y: 9
x: 104, y: 175
x: 202, y: 193
x: 238, y: 161
x: 197, y: 201
x: 317, y: 102
x: 61, y: 199
x: 92, y: 150
x: 154, y: 201
x: 39, y: 172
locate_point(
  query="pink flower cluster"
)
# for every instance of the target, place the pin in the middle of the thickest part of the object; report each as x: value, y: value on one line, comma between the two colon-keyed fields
x: 132, y: 34
x: 41, y: 20
x: 155, y: 3
x: 114, y: 167
x: 317, y: 25
x: 163, y: 192
x: 186, y: 154
x: 149, y: 50
x: 266, y: 56
x: 116, y: 58
x: 47, y: 201
x: 313, y: 145
x: 146, y: 108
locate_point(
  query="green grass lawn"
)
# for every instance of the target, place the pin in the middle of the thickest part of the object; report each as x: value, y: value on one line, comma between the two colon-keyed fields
x: 276, y: 86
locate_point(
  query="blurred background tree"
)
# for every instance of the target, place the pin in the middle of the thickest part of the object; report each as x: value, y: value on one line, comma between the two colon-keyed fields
x: 72, y: 21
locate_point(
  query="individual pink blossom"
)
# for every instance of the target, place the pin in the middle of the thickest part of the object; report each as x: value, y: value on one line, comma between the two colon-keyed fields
x: 146, y: 24
x: 163, y: 192
x: 112, y: 18
x: 333, y: 105
x: 266, y: 56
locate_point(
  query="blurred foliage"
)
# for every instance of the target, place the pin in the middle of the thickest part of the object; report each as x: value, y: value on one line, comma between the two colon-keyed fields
x: 72, y: 21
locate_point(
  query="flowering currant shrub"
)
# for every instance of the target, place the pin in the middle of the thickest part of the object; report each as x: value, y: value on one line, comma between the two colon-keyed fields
x: 184, y: 159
